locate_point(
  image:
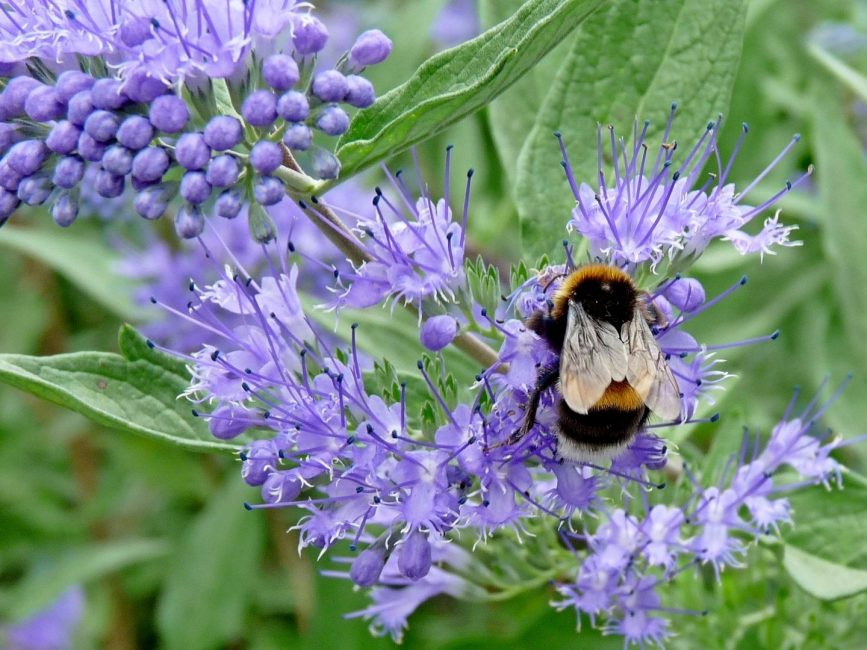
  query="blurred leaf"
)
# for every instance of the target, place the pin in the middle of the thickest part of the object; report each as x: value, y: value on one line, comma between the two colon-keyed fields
x: 514, y: 112
x: 821, y: 578
x: 457, y: 82
x: 825, y: 552
x: 207, y: 591
x: 689, y: 52
x: 841, y: 170
x: 136, y: 393
x: 832, y: 525
x: 78, y: 566
x: 82, y: 260
x: 853, y: 79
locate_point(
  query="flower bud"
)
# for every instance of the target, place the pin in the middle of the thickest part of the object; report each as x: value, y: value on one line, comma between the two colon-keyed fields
x: 135, y: 132
x: 15, y: 94
x: 71, y: 82
x: 108, y: 185
x: 150, y: 164
x: 309, y: 35
x: 65, y: 210
x: 9, y: 202
x: 43, y: 104
x: 438, y: 331
x: 192, y: 152
x: 195, y: 187
x: 152, y: 202
x: 63, y: 137
x: 169, y: 113
x: 189, y: 224
x: 266, y: 156
x: 370, y: 47
x: 333, y: 121
x: 117, y: 160
x: 360, y: 92
x: 101, y: 125
x: 293, y: 106
x: 142, y: 88
x: 228, y: 205
x: 35, y: 189
x: 268, y: 190
x: 260, y: 459
x: 260, y: 108
x: 223, y: 132
x: 330, y: 86
x: 223, y: 171
x: 227, y: 423
x: 414, y: 556
x: 106, y: 94
x: 90, y: 149
x: 298, y: 137
x: 281, y: 487
x: 280, y: 71
x: 686, y: 294
x: 325, y: 164
x: 80, y: 107
x: 367, y: 567
x: 26, y: 157
x: 68, y: 172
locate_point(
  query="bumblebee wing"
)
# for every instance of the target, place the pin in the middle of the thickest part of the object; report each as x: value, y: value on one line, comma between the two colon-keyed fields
x: 648, y: 372
x: 593, y: 356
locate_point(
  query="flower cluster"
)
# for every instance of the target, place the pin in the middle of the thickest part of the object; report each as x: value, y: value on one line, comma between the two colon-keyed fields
x: 410, y: 465
x: 658, y: 208
x: 632, y: 554
x: 146, y: 260
x: 188, y: 112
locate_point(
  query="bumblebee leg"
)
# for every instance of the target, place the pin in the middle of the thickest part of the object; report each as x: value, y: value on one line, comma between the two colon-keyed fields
x: 547, y: 378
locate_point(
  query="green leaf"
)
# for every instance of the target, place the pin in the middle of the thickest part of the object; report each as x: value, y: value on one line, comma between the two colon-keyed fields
x: 208, y: 587
x: 514, y: 112
x: 82, y: 260
x: 135, y: 393
x: 825, y: 551
x: 841, y: 170
x: 77, y: 566
x: 457, y: 82
x: 632, y: 59
x: 821, y: 578
x: 223, y: 99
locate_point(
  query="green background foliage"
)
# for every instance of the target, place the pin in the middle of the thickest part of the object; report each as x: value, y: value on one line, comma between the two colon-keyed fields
x: 157, y: 534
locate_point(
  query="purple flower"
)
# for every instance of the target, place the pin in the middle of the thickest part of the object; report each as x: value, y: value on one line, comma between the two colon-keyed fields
x: 417, y: 252
x: 656, y: 210
x: 52, y: 628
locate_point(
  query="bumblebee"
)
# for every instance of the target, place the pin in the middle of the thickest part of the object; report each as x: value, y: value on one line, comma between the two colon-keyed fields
x: 611, y: 373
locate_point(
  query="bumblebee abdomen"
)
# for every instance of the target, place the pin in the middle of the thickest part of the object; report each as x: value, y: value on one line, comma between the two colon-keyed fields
x: 609, y: 424
x: 602, y: 427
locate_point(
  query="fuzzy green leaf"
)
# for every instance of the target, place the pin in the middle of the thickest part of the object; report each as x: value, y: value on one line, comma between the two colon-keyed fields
x: 825, y: 551
x: 632, y: 59
x: 136, y: 392
x: 459, y: 81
